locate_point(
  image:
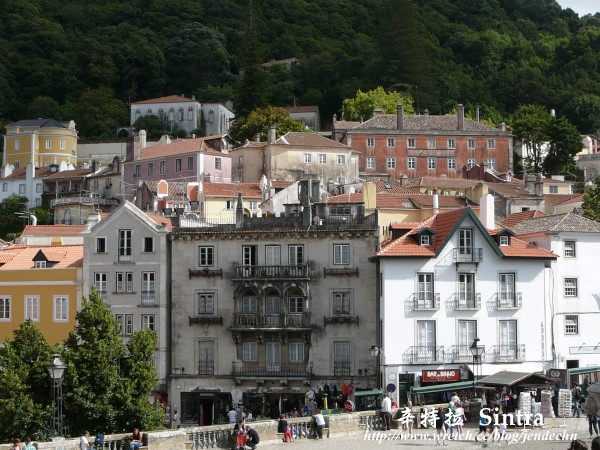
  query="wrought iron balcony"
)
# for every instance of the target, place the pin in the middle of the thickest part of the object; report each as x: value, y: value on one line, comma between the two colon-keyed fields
x: 467, y: 301
x: 272, y: 272
x: 505, y: 353
x: 459, y: 354
x: 263, y: 370
x: 148, y: 297
x: 508, y: 300
x: 83, y: 200
x: 425, y: 354
x: 251, y: 321
x: 341, y: 368
x: 426, y: 301
x: 206, y: 368
x: 467, y: 255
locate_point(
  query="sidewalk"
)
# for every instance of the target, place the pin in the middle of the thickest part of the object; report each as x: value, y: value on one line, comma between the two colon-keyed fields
x: 554, y: 436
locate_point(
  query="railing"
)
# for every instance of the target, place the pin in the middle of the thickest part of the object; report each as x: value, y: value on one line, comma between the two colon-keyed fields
x: 125, y: 258
x: 271, y: 320
x: 467, y: 300
x: 426, y: 301
x: 505, y: 353
x: 467, y: 255
x: 148, y: 297
x: 374, y: 422
x: 112, y: 442
x: 341, y: 368
x: 83, y: 200
x: 509, y: 300
x: 268, y: 272
x: 460, y: 354
x: 206, y: 368
x: 246, y: 369
x: 424, y: 354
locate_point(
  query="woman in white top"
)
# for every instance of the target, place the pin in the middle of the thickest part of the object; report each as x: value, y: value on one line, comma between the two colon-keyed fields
x: 460, y: 417
x: 84, y: 444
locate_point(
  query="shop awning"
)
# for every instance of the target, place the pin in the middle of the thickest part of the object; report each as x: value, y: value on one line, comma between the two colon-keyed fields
x: 508, y: 378
x: 371, y: 392
x: 442, y: 387
x: 582, y: 370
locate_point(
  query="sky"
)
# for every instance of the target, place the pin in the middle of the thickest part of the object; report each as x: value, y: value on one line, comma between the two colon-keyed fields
x: 581, y: 7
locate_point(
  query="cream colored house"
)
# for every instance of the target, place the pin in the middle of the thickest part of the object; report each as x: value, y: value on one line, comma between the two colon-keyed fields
x: 217, y: 201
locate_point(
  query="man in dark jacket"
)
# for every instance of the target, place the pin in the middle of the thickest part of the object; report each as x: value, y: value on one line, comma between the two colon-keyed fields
x: 253, y: 438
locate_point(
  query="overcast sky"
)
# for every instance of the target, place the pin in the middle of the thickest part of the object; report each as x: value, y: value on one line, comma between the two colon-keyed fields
x: 581, y: 7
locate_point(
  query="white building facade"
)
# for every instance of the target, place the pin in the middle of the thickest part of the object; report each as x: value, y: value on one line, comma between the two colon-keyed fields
x: 449, y: 281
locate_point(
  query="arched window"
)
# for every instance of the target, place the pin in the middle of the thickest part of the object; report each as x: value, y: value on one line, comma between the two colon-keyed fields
x: 67, y: 217
x: 211, y: 116
x: 161, y: 114
x: 171, y: 115
x: 138, y: 114
x: 295, y: 302
x: 180, y: 114
x: 272, y: 302
x: 249, y: 303
x: 149, y: 112
x: 190, y: 113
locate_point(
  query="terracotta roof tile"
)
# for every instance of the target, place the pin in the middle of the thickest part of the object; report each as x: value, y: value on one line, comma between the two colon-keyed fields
x: 558, y: 199
x: 182, y: 146
x: 345, y: 124
x: 522, y: 249
x: 443, y: 183
x: 53, y: 230
x: 161, y: 220
x: 356, y: 197
x: 21, y: 257
x: 20, y: 174
x: 444, y: 201
x: 393, y: 187
x: 166, y: 99
x: 65, y: 174
x: 516, y: 218
x: 310, y: 140
x: 177, y: 189
x: 231, y: 190
x: 511, y: 190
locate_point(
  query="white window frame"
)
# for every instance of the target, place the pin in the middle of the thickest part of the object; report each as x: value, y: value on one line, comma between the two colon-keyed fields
x: 470, y: 163
x: 370, y: 162
x: 148, y: 287
x: 431, y: 162
x: 124, y: 282
x: 411, y: 142
x: 40, y: 264
x: 491, y: 144
x: 570, y: 287
x: 48, y: 145
x: 431, y: 143
x: 307, y: 158
x: 341, y: 254
x: 553, y: 189
x: 249, y: 351
x: 451, y: 163
x: 190, y: 163
x: 572, y: 324
x: 63, y: 144
x: 17, y: 144
x: 491, y: 162
x: 100, y: 281
x: 569, y: 249
x: 471, y: 143
x: 295, y: 255
x: 370, y: 142
x: 296, y: 352
x: 451, y: 143
x: 229, y: 205
x: 162, y: 167
x: 341, y: 160
x: 342, y: 303
x: 125, y: 245
x: 411, y: 163
x: 22, y: 189
x: 5, y: 308
x: 425, y: 239
x: 249, y: 303
x: 148, y: 321
x: 32, y: 308
x: 322, y: 158
x: 295, y: 303
x: 504, y: 241
x: 391, y: 163
x: 391, y: 142
x: 178, y: 165
x: 61, y: 308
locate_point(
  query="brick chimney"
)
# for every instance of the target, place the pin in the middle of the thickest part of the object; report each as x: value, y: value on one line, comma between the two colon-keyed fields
x: 399, y: 116
x: 460, y: 117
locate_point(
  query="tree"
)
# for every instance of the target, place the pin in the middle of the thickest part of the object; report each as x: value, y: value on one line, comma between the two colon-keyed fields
x: 258, y: 122
x: 44, y: 107
x: 99, y: 114
x: 363, y: 103
x: 591, y: 201
x: 152, y: 124
x: 10, y: 214
x: 530, y: 124
x: 97, y: 395
x: 25, y: 385
x: 564, y: 144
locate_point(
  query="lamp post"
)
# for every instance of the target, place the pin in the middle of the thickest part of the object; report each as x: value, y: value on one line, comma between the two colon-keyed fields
x: 376, y: 353
x: 56, y: 369
x: 477, y: 351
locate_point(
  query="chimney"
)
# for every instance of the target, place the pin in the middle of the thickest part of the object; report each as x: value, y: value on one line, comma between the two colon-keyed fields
x: 486, y: 211
x: 539, y: 186
x: 460, y: 117
x: 426, y: 112
x: 272, y: 134
x: 142, y: 139
x: 334, y: 119
x: 257, y: 137
x: 477, y: 113
x: 377, y: 112
x: 530, y: 183
x: 239, y: 213
x: 399, y: 117
x: 436, y: 202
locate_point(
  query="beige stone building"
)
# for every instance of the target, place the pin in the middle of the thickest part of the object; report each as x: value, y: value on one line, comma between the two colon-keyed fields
x: 272, y: 311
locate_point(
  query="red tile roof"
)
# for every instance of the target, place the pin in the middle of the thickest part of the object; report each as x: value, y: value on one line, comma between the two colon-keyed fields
x: 231, y: 190
x: 356, y: 197
x: 393, y: 187
x: 21, y: 257
x: 516, y: 218
x: 75, y: 173
x: 20, y: 174
x: 53, y: 230
x: 160, y: 220
x: 557, y: 199
x: 443, y: 183
x: 310, y: 139
x: 167, y: 99
x: 443, y: 224
x: 182, y: 146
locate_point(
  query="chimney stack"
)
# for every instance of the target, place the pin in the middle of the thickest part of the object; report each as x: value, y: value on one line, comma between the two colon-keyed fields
x: 272, y: 134
x: 436, y: 202
x: 486, y: 211
x: 399, y: 116
x: 460, y: 117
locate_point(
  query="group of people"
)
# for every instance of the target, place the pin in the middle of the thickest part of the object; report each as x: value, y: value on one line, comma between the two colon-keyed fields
x: 244, y: 436
x: 29, y: 445
x: 135, y: 440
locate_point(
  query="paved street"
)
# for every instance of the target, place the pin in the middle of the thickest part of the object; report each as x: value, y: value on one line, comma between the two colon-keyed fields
x: 538, y: 438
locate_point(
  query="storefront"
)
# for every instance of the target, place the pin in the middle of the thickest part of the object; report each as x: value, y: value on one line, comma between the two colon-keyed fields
x: 369, y: 400
x: 199, y: 408
x: 584, y: 376
x: 438, y: 385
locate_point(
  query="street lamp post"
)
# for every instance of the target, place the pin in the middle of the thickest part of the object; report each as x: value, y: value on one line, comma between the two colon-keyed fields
x: 376, y: 353
x: 56, y: 369
x: 477, y: 351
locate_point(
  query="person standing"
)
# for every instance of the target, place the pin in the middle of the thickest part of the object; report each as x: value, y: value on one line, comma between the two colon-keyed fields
x: 386, y: 412
x: 136, y: 439
x: 593, y: 423
x: 232, y: 415
x: 439, y: 427
x: 16, y: 444
x: 576, y: 396
x: 84, y: 441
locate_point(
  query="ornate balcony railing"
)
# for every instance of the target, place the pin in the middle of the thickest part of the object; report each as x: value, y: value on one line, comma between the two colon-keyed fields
x: 508, y: 300
x: 341, y: 368
x: 241, y: 320
x: 271, y: 272
x: 263, y: 370
x: 206, y: 368
x: 467, y: 255
x: 459, y: 354
x: 84, y: 200
x: 148, y: 297
x: 426, y: 301
x: 505, y: 353
x: 467, y: 301
x: 425, y: 354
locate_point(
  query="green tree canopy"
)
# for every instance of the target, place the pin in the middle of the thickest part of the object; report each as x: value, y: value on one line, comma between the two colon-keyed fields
x: 564, y: 144
x: 152, y: 124
x: 11, y: 214
x: 99, y: 114
x: 591, y: 201
x: 258, y: 122
x: 361, y: 106
x: 530, y: 124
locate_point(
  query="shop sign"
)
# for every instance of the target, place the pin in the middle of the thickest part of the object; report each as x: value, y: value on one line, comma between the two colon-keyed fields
x: 430, y: 376
x: 583, y: 349
x: 560, y: 377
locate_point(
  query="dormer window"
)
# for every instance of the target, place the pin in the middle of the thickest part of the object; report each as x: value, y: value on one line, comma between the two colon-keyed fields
x: 425, y: 239
x: 40, y: 264
x: 424, y: 236
x: 504, y: 241
x: 503, y: 237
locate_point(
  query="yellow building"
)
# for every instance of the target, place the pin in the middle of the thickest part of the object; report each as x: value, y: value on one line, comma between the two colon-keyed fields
x: 42, y: 284
x: 41, y: 141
